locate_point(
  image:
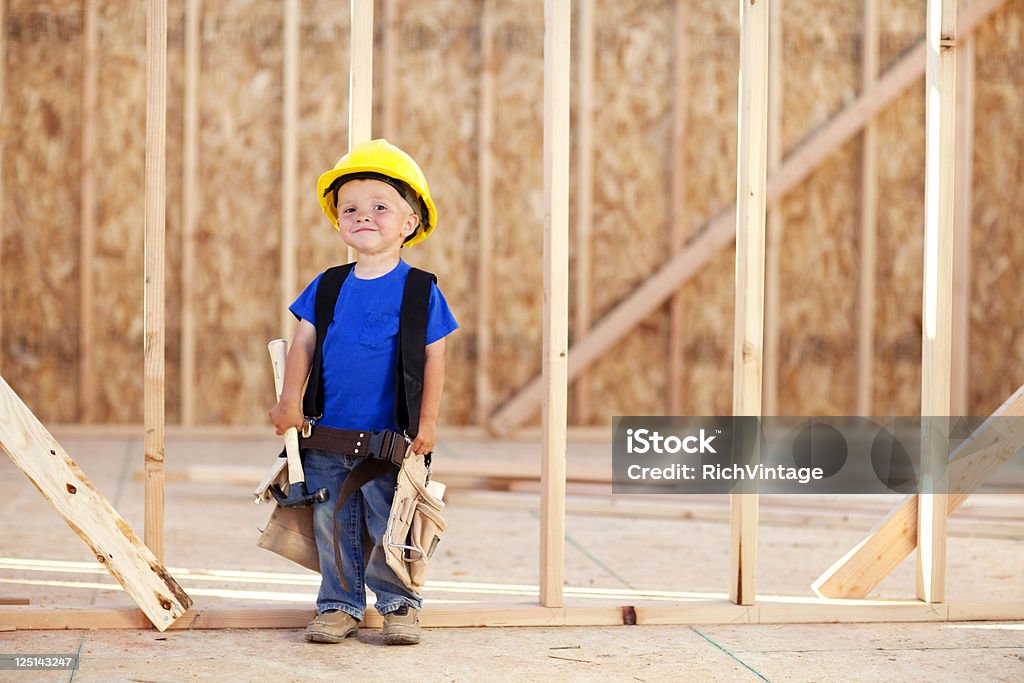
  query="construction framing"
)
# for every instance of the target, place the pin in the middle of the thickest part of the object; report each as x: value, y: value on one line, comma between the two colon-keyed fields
x: 719, y: 233
x: 756, y: 190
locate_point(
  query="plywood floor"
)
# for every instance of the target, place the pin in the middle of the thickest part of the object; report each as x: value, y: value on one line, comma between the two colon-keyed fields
x: 649, y: 551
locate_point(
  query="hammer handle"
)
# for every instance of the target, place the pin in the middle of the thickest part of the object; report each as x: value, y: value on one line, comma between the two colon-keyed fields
x: 278, y: 349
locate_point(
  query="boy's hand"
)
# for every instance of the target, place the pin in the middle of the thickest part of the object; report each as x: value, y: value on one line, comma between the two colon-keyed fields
x: 424, y: 441
x: 285, y: 415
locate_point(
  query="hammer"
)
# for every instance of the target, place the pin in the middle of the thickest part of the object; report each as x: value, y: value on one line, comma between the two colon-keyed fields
x: 298, y: 495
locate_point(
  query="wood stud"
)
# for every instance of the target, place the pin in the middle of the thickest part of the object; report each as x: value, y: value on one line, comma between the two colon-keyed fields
x: 677, y: 304
x: 154, y: 286
x: 87, y: 239
x: 584, y: 218
x: 960, y: 380
x: 937, y: 306
x: 775, y: 226
x: 748, y: 340
x: 289, y: 162
x: 868, y: 218
x: 189, y: 212
x: 556, y: 299
x: 485, y: 204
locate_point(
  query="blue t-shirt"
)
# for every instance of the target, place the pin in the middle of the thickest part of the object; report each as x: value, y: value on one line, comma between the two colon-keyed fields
x: 360, y: 355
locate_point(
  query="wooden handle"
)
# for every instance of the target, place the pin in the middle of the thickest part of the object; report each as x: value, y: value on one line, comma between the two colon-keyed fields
x: 278, y: 349
x: 291, y: 447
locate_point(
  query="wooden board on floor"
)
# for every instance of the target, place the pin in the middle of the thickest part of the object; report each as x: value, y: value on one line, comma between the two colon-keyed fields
x: 88, y: 513
x: 780, y: 610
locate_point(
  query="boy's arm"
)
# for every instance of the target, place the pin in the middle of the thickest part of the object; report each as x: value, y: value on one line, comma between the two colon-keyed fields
x: 433, y: 383
x: 288, y: 410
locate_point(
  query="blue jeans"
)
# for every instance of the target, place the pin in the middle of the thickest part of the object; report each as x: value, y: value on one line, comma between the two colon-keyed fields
x: 369, y: 506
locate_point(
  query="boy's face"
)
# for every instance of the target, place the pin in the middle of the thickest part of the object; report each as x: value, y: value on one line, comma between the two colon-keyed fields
x: 372, y: 217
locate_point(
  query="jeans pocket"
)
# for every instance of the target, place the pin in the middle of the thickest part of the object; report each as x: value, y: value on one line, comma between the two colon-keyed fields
x: 379, y: 330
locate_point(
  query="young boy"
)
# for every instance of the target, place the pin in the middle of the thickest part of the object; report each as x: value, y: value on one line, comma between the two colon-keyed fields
x: 377, y: 198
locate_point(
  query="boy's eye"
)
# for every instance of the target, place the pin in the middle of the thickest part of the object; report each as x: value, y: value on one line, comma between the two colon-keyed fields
x: 348, y: 209
x: 380, y: 207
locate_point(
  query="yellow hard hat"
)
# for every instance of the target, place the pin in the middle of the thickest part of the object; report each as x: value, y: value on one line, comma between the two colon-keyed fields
x: 381, y: 160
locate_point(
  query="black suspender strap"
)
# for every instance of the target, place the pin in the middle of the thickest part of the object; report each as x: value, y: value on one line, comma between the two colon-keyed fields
x: 412, y: 345
x: 326, y: 299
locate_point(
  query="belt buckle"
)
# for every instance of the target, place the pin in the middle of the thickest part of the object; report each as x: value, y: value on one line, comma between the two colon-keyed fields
x: 400, y: 448
x: 384, y: 444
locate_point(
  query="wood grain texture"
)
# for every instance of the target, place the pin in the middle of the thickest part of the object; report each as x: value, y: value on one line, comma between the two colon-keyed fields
x: 937, y: 304
x: 155, y: 269
x: 556, y: 300
x: 748, y: 336
x: 88, y: 513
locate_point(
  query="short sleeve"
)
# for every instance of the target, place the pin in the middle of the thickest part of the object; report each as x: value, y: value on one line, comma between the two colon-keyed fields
x: 440, y: 321
x: 304, y: 307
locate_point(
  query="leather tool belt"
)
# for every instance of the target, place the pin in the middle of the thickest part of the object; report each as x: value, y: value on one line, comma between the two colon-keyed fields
x: 381, y: 444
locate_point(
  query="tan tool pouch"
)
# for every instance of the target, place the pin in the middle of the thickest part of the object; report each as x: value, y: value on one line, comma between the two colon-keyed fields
x: 289, y: 533
x: 415, y: 525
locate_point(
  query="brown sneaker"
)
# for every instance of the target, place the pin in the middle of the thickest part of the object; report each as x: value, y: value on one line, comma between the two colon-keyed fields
x: 402, y: 627
x: 331, y: 627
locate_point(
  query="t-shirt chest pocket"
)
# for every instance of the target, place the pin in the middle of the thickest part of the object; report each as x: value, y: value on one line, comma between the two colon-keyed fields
x: 379, y: 330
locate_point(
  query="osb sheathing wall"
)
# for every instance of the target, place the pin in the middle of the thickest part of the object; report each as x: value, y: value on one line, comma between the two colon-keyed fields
x: 997, y: 321
x: 433, y: 92
x: 712, y: 44
x: 897, y: 377
x: 819, y: 254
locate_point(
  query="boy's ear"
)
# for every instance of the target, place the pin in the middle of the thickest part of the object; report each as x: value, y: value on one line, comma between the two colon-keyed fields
x: 411, y: 223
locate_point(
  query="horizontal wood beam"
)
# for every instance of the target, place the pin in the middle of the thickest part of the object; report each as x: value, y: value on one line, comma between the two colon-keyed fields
x: 971, y: 465
x: 719, y: 233
x: 769, y: 610
x: 87, y: 512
